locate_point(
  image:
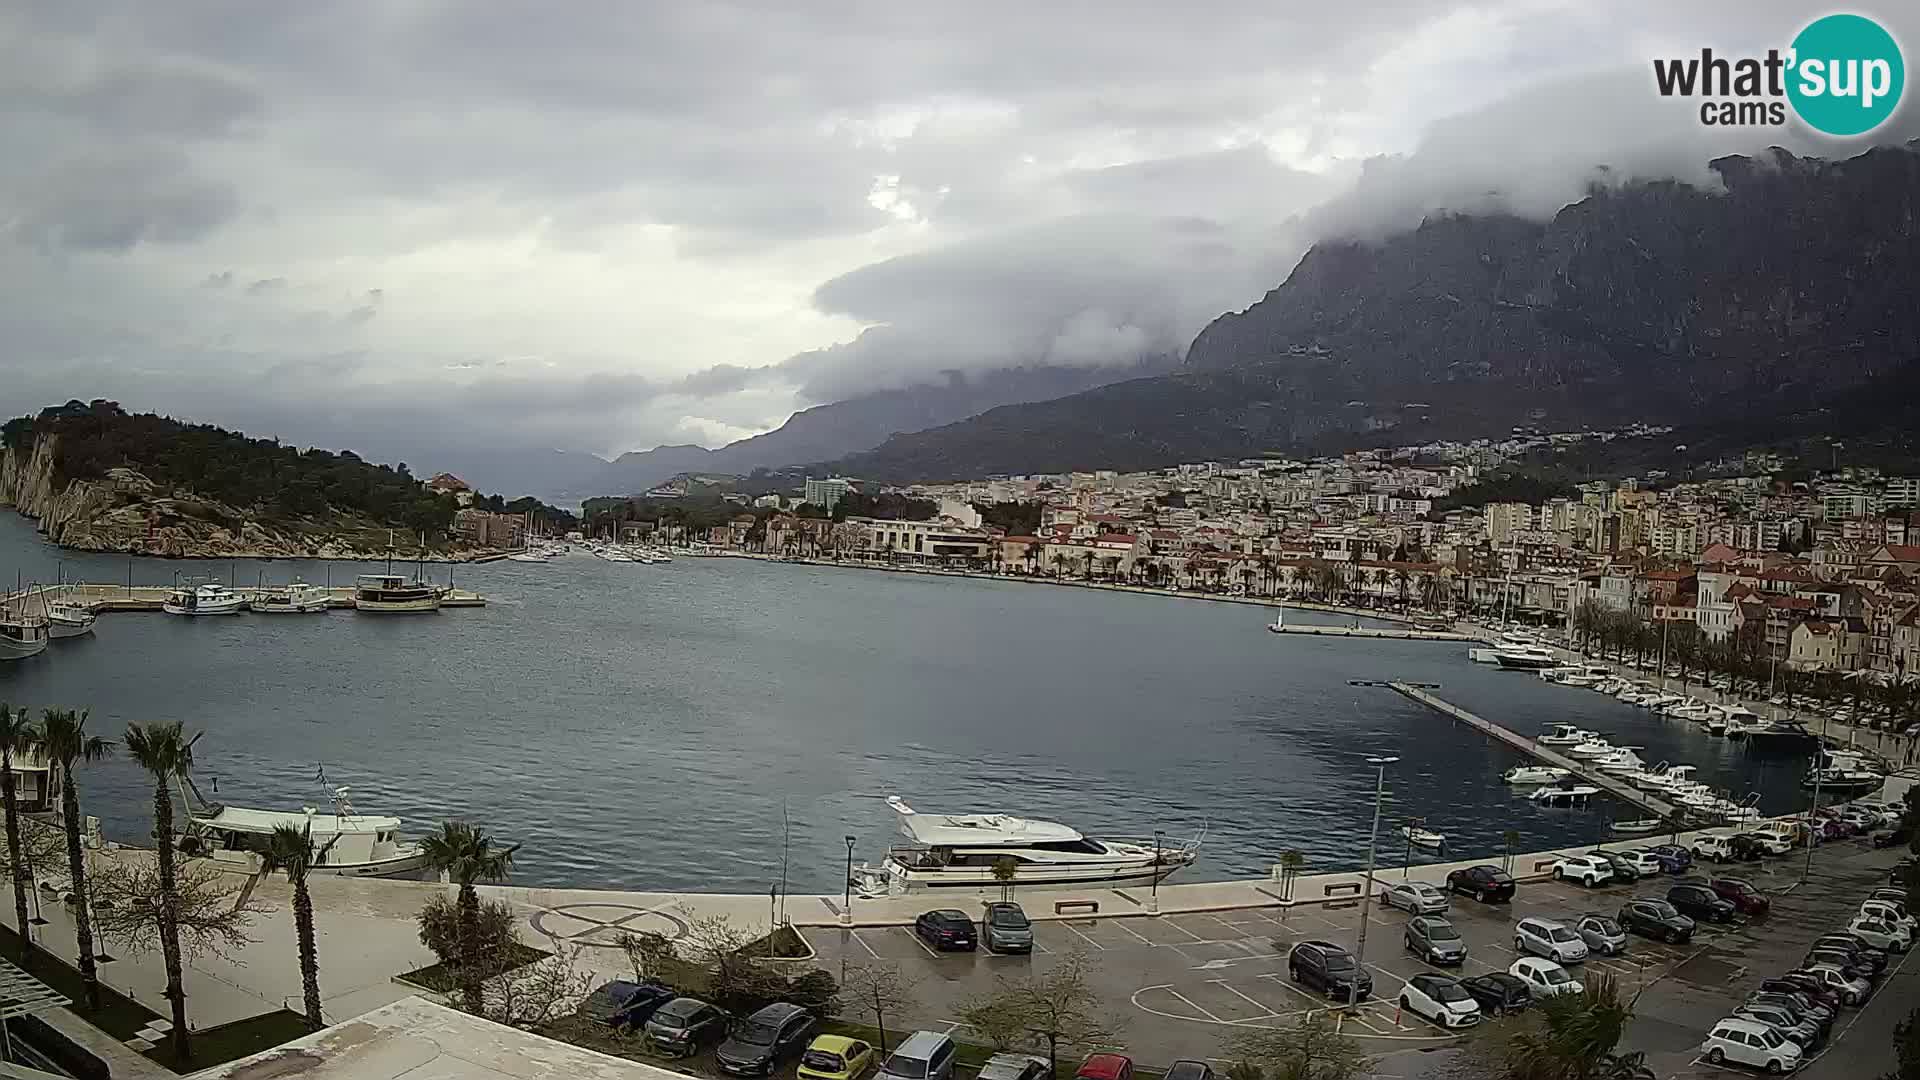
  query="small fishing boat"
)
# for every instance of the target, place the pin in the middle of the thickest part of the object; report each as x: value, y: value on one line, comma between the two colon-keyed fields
x: 69, y: 619
x: 208, y: 599
x: 1563, y: 735
x: 21, y: 637
x: 298, y: 598
x: 394, y: 593
x: 1420, y: 837
x: 1641, y: 827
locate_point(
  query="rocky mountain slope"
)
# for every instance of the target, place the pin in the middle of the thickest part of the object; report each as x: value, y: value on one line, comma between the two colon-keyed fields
x: 1790, y: 291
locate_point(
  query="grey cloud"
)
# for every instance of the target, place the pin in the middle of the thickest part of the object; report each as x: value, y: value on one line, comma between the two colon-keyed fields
x: 217, y: 281
x: 113, y: 199
x: 266, y: 285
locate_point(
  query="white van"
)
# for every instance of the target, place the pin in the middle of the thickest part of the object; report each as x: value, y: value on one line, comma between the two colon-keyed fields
x: 1750, y: 1043
x: 925, y: 1055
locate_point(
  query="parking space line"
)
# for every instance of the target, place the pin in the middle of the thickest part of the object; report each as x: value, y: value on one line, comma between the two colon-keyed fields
x: 1196, y: 937
x: 1084, y: 937
x: 1189, y: 1003
x: 917, y: 941
x: 1121, y: 924
x: 1224, y: 985
x: 863, y: 944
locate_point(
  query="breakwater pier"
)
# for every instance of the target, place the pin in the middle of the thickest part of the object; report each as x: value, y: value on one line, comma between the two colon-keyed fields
x: 104, y: 598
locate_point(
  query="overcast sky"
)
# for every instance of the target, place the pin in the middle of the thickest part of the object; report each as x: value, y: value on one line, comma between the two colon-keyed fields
x: 604, y: 225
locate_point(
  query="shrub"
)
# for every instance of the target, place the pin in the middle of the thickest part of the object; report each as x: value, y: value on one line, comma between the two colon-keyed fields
x: 440, y: 930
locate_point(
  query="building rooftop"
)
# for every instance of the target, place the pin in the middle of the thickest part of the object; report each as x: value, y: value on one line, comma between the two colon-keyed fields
x: 415, y: 1038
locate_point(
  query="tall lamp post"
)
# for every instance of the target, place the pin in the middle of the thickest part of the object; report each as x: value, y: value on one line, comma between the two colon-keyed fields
x: 1813, y: 818
x: 846, y: 901
x: 1366, y: 893
x: 1153, y: 899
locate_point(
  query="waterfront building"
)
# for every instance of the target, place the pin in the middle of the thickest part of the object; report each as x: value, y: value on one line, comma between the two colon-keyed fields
x: 939, y: 540
x: 826, y: 494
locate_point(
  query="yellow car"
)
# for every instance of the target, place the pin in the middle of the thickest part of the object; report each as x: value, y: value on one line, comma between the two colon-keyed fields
x: 835, y: 1057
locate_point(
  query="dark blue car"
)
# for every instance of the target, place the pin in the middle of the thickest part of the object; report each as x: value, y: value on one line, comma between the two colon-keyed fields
x: 623, y: 1004
x: 1674, y: 859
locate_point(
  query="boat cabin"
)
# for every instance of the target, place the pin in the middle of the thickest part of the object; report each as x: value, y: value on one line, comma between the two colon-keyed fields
x: 234, y: 835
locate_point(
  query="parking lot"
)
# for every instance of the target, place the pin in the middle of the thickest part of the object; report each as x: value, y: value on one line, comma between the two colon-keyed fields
x: 1176, y: 986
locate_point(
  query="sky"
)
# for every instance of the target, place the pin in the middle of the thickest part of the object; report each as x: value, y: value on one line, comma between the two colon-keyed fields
x: 423, y: 229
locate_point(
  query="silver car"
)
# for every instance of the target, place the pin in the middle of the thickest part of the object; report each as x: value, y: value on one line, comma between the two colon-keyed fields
x: 1434, y: 940
x: 1416, y: 898
x: 1602, y: 934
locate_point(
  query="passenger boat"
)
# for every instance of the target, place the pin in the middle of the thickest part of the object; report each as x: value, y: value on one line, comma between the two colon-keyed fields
x: 346, y: 843
x: 22, y: 636
x: 963, y: 851
x: 394, y: 593
x: 207, y: 599
x: 1419, y: 837
x: 1522, y: 775
x: 69, y: 619
x: 1564, y: 735
x: 1573, y: 795
x: 298, y: 598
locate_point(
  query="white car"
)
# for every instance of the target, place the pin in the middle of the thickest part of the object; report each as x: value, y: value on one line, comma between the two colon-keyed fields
x: 1544, y: 977
x: 1589, y: 870
x: 1544, y: 937
x: 1889, y: 911
x: 1881, y: 934
x: 1850, y: 991
x: 1770, y: 843
x: 1716, y: 848
x: 1441, y: 999
x: 1750, y: 1043
x: 1646, y: 863
x: 1416, y: 897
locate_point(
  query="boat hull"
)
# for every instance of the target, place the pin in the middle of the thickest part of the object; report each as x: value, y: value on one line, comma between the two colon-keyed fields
x: 61, y: 630
x: 397, y: 607
x: 12, y: 649
x: 234, y: 608
x: 283, y: 607
x: 1049, y: 877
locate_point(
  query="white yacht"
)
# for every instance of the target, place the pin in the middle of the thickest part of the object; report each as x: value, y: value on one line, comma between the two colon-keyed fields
x: 1621, y: 762
x: 22, y: 636
x: 1522, y: 775
x: 393, y: 593
x: 1565, y: 735
x: 1490, y: 654
x: 1697, y: 712
x: 1594, y: 747
x: 208, y: 599
x: 297, y: 598
x: 1526, y: 657
x: 69, y: 619
x: 345, y: 843
x: 1573, y: 795
x: 1839, y: 771
x: 961, y: 851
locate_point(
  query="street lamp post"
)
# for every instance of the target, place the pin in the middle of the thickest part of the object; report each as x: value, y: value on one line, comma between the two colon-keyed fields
x: 1366, y: 893
x: 1406, y: 863
x: 1813, y: 819
x: 1153, y: 899
x: 846, y: 901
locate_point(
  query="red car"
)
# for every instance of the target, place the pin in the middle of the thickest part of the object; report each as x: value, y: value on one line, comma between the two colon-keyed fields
x: 1745, y: 899
x: 1105, y: 1067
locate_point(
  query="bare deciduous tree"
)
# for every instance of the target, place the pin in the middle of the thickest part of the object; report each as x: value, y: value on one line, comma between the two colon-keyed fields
x: 210, y: 915
x: 881, y: 989
x: 1308, y: 1047
x: 539, y: 993
x: 1054, y: 1008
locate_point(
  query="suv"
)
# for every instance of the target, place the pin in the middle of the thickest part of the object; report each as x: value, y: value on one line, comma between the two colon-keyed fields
x: 1330, y: 969
x: 1433, y: 939
x: 1700, y: 903
x: 1713, y: 848
x: 1484, y: 883
x: 1007, y: 928
x: 756, y: 1047
x: 684, y: 1025
x: 1553, y: 940
x: 1674, y: 858
x: 1592, y: 871
x: 1626, y: 868
x: 1751, y: 1043
x: 1657, y: 919
x: 946, y: 929
x: 1498, y: 992
x: 1739, y: 892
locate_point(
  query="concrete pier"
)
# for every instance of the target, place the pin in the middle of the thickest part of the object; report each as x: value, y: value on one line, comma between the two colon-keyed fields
x: 103, y: 598
x: 1370, y: 632
x: 1548, y: 754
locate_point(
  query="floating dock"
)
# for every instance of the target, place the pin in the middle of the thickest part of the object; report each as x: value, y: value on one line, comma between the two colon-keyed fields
x: 103, y: 598
x: 1587, y: 773
x: 1369, y: 632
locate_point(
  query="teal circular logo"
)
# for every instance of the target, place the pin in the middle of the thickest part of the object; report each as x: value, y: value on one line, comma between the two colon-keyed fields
x: 1847, y: 75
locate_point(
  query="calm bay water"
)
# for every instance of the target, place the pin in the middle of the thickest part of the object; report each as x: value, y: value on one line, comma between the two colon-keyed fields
x: 680, y: 726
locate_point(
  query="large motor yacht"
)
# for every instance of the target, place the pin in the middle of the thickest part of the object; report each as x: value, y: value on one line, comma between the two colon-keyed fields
x: 394, y: 593
x: 962, y: 851
x: 1526, y: 657
x: 208, y: 599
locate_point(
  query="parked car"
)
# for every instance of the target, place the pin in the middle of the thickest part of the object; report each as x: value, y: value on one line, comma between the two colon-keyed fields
x: 1186, y: 1070
x: 1674, y: 858
x: 1105, y: 1067
x: 1881, y: 934
x: 1441, y: 999
x: 1007, y: 929
x: 1700, y: 903
x: 1713, y: 848
x: 1330, y: 969
x: 946, y: 929
x: 1553, y: 940
x: 1868, y: 959
x: 924, y: 1055
x: 837, y: 1057
x: 1895, y: 911
x: 1848, y: 962
x: 1602, y: 934
x: 1484, y: 883
x: 1645, y: 863
x: 1435, y: 940
x: 1852, y: 989
x: 686, y: 1025
x: 1589, y: 870
x: 1499, y: 992
x: 1416, y: 898
x: 1750, y: 1043
x: 1745, y: 847
x: 1544, y: 978
x: 1803, y: 1034
x: 1802, y: 1009
x: 766, y: 1038
x: 1891, y: 838
x: 1769, y: 843
x: 1028, y: 1067
x: 1626, y: 870
x: 1657, y: 919
x: 1740, y: 892
x: 623, y: 1004
x: 1807, y: 987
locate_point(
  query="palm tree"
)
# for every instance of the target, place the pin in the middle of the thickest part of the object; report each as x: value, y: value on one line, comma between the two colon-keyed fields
x: 16, y: 737
x: 163, y: 749
x: 1290, y: 864
x: 292, y: 850
x: 466, y: 855
x: 63, y: 734
x: 1577, y: 1036
x: 1402, y: 584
